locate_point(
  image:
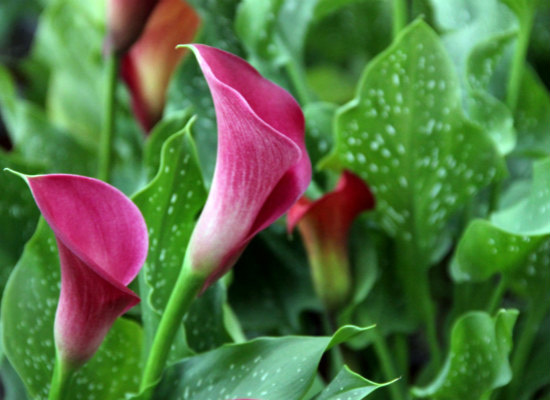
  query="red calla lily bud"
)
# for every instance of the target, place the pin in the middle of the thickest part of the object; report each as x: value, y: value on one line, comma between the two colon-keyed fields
x: 148, y: 66
x: 102, y: 241
x: 262, y: 165
x: 324, y: 226
x: 125, y: 22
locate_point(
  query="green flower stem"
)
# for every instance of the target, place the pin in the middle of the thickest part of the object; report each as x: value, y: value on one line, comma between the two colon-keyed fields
x: 518, y: 62
x: 399, y: 16
x: 336, y: 358
x: 401, y: 355
x: 498, y: 293
x: 185, y: 290
x: 537, y: 309
x: 62, y: 374
x: 413, y: 273
x: 106, y: 141
x: 388, y: 368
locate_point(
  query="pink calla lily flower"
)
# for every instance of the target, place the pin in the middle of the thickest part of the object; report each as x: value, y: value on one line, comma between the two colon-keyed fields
x: 102, y: 242
x: 262, y: 165
x: 324, y: 226
x: 148, y: 66
x: 125, y: 22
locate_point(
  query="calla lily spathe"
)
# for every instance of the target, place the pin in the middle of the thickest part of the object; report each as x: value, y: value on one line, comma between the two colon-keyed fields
x: 262, y: 165
x: 125, y: 22
x: 324, y: 225
x: 102, y: 242
x: 149, y: 64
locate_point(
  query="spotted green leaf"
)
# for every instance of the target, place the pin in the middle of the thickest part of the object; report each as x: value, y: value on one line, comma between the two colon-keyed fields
x: 319, y: 117
x: 532, y: 117
x: 406, y: 135
x: 264, y: 368
x: 486, y: 70
x: 532, y: 215
x: 348, y: 385
x: 478, y: 358
x: 514, y: 242
x: 466, y: 23
x: 169, y: 204
x: 28, y: 309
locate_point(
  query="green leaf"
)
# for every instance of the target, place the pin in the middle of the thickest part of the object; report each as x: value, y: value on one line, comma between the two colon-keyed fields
x: 484, y: 85
x: 319, y: 119
x: 76, y: 70
x: 485, y: 250
x: 514, y: 242
x: 18, y: 214
x: 36, y: 141
x: 532, y: 117
x: 28, y: 309
x: 466, y: 23
x: 13, y: 387
x: 532, y: 215
x: 170, y: 204
x: 349, y: 385
x: 520, y: 7
x: 478, y: 358
x: 265, y: 368
x: 406, y: 135
x: 175, y: 122
x: 536, y: 376
x: 282, y: 286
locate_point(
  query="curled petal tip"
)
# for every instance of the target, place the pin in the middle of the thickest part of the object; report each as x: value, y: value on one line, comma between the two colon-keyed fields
x: 149, y: 64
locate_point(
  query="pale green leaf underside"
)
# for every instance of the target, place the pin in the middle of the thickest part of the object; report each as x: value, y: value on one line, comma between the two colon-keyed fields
x: 406, y: 135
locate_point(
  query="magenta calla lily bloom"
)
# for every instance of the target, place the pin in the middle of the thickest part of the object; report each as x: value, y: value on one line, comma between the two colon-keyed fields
x: 148, y: 66
x: 125, y: 22
x: 324, y: 225
x: 262, y: 165
x: 102, y: 241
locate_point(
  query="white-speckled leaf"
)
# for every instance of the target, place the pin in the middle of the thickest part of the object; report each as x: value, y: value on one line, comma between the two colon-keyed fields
x: 265, y: 368
x: 485, y: 77
x: 406, y: 135
x: 349, y: 386
x: 28, y: 310
x: 514, y: 242
x: 478, y: 359
x: 465, y: 23
x: 170, y: 204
